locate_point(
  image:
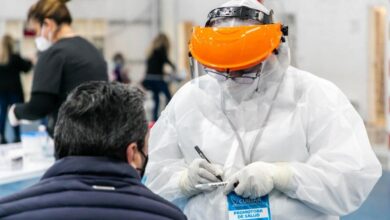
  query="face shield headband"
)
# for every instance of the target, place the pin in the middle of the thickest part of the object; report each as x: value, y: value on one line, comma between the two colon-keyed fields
x: 242, y: 12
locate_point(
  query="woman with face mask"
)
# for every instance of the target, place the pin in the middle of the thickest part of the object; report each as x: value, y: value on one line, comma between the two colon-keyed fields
x: 66, y: 61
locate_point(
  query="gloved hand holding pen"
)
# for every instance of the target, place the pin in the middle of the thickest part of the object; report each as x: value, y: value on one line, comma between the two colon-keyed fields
x: 258, y: 179
x: 199, y: 172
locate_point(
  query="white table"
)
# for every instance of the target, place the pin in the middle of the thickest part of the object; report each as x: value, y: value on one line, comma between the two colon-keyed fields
x: 30, y: 169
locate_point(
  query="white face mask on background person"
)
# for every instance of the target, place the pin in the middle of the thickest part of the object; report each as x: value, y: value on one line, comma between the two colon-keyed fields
x: 42, y: 43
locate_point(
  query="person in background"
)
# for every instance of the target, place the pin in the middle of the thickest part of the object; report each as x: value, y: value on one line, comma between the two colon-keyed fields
x: 66, y: 61
x: 11, y: 91
x: 101, y: 145
x: 120, y: 73
x: 154, y: 81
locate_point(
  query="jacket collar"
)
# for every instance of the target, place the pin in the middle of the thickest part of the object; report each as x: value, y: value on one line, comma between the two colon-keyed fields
x: 100, y: 166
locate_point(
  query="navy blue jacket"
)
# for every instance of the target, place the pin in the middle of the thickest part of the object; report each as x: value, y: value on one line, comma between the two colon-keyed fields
x: 88, y: 188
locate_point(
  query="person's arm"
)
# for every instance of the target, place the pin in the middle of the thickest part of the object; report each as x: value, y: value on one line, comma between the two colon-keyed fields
x: 166, y: 164
x: 171, y: 64
x: 45, y: 88
x: 23, y: 65
x: 164, y: 55
x: 40, y: 105
x: 342, y: 168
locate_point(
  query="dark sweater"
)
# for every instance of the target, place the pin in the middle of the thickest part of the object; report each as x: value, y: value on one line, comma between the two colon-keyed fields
x: 157, y: 60
x: 88, y: 188
x: 10, y: 74
x: 67, y: 64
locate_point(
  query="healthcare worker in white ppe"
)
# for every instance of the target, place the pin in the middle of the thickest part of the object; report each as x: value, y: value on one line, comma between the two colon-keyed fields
x: 265, y: 127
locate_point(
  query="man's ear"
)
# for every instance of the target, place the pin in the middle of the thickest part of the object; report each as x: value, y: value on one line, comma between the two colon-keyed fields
x: 131, y: 154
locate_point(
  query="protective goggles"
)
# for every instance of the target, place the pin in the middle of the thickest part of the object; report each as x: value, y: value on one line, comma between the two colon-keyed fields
x: 246, y: 76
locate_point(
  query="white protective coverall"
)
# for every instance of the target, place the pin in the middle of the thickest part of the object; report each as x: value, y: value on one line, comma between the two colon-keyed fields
x: 291, y: 116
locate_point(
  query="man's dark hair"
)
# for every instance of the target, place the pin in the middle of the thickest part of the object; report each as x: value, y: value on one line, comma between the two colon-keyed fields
x: 100, y: 119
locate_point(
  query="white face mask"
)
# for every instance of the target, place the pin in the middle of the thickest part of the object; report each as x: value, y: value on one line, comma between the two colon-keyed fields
x: 237, y: 91
x: 42, y: 43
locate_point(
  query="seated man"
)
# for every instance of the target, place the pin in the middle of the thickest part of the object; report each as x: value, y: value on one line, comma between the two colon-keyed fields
x: 101, y: 147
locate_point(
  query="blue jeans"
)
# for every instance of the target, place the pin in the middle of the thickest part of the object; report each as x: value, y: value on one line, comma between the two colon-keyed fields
x: 6, y: 100
x: 157, y: 86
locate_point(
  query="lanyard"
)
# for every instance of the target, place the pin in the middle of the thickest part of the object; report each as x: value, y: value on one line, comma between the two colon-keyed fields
x: 248, y: 158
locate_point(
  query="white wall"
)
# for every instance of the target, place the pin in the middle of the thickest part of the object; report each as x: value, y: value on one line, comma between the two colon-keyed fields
x: 107, y: 9
x: 333, y: 42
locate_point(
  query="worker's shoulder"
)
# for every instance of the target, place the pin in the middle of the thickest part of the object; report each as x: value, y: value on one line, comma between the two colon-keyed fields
x: 314, y: 87
x: 309, y: 80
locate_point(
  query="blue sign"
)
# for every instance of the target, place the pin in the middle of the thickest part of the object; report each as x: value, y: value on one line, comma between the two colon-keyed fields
x: 248, y: 209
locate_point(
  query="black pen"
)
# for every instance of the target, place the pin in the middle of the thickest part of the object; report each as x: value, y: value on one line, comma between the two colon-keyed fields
x: 201, y: 154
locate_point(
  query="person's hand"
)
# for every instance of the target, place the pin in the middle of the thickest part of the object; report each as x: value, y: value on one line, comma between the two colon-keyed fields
x: 199, y: 172
x: 259, y: 179
x: 13, y: 120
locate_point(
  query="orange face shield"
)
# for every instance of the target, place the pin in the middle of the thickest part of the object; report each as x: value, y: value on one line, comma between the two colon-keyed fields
x: 234, y: 48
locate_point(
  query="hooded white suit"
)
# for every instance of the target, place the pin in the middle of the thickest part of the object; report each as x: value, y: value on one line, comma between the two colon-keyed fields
x: 292, y: 117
